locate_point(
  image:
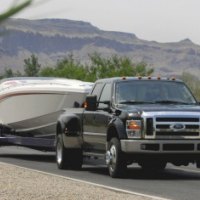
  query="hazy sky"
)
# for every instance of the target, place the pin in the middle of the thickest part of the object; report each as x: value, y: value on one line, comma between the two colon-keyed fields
x: 159, y: 20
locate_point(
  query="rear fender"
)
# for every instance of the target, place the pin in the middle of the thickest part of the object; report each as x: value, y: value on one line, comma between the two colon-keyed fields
x: 70, y: 128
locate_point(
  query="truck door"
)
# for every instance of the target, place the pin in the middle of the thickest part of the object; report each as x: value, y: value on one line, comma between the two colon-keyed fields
x: 96, y: 122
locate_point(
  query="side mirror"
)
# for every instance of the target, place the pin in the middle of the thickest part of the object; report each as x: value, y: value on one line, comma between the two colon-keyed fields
x: 91, y: 103
x: 104, y: 105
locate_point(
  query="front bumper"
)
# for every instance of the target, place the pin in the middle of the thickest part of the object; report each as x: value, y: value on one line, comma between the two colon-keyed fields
x: 161, y: 146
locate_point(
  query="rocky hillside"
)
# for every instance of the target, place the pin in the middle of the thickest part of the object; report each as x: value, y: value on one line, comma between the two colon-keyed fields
x: 54, y: 39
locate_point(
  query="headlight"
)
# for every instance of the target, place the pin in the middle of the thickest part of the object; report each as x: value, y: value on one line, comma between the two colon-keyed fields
x: 133, y: 128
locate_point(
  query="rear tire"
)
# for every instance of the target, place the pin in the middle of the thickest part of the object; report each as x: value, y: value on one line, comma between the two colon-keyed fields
x: 67, y: 158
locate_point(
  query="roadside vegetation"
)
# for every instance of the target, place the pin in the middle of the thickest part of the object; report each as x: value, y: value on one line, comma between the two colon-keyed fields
x: 193, y: 83
x: 97, y: 67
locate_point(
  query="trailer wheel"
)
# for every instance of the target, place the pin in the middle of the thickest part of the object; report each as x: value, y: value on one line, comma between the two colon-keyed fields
x: 67, y: 158
x: 116, y: 163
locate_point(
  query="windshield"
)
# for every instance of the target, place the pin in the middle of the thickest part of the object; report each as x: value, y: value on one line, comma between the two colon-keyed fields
x: 154, y: 91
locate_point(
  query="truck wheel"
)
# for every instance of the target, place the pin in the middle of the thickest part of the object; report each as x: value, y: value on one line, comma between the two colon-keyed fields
x: 116, y: 164
x: 61, y: 153
x: 67, y: 158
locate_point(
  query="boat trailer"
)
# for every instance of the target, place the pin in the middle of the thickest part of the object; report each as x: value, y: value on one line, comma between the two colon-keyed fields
x: 8, y: 137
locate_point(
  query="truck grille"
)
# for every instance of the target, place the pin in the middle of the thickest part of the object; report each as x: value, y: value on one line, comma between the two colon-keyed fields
x: 173, y: 127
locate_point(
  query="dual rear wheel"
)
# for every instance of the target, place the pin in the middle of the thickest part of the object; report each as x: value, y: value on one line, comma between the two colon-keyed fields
x: 67, y: 158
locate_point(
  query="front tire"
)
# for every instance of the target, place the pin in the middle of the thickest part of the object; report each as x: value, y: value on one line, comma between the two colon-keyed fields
x: 114, y: 158
x: 67, y: 158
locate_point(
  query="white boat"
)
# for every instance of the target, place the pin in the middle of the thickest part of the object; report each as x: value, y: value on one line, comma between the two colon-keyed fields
x: 31, y: 106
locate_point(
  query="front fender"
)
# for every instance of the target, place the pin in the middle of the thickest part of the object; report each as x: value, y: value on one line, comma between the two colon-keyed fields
x: 117, y: 129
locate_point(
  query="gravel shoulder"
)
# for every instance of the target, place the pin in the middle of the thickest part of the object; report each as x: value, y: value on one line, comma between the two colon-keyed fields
x: 18, y: 183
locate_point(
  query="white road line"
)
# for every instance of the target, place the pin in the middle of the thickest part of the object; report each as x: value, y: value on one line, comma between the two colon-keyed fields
x: 90, y: 183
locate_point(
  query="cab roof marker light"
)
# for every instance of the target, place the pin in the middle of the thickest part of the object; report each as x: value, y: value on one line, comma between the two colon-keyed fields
x: 173, y: 78
x: 123, y: 77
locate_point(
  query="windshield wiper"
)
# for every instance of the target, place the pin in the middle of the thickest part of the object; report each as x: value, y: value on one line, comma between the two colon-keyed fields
x: 172, y: 102
x: 136, y: 102
x: 155, y: 102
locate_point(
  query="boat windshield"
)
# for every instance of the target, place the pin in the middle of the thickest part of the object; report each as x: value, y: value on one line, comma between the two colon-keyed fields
x: 152, y: 92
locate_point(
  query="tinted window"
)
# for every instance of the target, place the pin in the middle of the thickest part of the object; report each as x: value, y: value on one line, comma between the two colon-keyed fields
x: 97, y: 90
x: 105, y: 95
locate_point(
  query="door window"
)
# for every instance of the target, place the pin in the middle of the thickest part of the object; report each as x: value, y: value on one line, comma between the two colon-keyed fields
x: 105, y: 95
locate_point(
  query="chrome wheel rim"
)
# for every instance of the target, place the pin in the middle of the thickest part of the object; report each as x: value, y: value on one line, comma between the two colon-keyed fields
x: 59, y: 153
x: 113, y: 157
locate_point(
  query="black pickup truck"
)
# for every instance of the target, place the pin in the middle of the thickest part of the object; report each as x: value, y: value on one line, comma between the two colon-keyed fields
x: 146, y: 120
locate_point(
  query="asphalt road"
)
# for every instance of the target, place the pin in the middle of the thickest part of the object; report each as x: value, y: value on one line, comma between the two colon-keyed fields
x: 178, y: 183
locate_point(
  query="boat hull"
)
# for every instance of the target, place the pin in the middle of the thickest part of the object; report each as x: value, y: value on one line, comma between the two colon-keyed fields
x: 32, y: 110
x: 36, y: 114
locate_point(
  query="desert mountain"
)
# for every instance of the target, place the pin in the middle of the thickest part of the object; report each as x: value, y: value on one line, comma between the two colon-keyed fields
x: 54, y: 39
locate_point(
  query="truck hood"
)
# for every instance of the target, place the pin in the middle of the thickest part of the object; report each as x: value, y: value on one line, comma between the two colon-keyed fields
x: 160, y: 108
